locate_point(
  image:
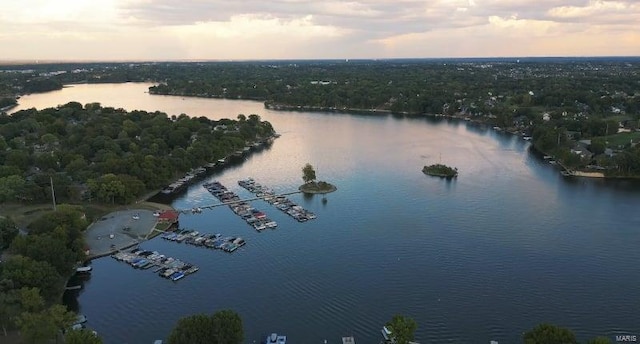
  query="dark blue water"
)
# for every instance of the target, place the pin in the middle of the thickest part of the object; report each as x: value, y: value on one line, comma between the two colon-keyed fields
x: 507, y: 245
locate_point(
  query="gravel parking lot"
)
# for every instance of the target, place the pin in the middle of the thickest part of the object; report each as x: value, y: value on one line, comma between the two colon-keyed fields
x: 119, y: 230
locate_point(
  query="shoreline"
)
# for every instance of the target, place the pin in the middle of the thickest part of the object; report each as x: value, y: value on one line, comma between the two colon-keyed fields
x: 587, y: 174
x: 304, y: 189
x: 300, y: 108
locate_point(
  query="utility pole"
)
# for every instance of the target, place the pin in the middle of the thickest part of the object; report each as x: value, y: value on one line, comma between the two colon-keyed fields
x: 53, y: 194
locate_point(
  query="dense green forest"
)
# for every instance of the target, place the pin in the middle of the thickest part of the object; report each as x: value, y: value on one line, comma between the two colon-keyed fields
x: 591, y: 86
x: 109, y: 154
x: 583, y: 111
x: 33, y: 275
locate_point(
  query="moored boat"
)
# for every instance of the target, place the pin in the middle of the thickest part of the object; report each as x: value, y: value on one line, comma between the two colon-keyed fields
x: 80, y: 319
x: 177, y: 275
x: 274, y: 338
x: 84, y: 270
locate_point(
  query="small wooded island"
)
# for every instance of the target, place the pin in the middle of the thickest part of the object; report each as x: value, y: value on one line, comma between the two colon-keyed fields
x: 440, y: 170
x: 311, y: 185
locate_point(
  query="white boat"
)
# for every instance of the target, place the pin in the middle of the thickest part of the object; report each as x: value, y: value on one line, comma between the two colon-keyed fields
x: 81, y: 319
x: 274, y: 338
x: 386, y: 333
x: 271, y: 224
x: 84, y: 270
x: 77, y: 327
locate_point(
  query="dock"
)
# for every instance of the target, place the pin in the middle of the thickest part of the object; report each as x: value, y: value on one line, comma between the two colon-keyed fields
x: 254, y: 217
x: 167, y: 267
x: 279, y: 201
x: 235, y: 202
x: 195, y: 173
x: 213, y: 241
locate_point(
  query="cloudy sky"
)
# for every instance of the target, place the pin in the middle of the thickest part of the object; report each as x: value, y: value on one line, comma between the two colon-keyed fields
x: 308, y: 29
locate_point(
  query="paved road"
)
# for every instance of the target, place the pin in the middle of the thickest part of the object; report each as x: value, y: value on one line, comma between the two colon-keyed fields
x: 118, y: 230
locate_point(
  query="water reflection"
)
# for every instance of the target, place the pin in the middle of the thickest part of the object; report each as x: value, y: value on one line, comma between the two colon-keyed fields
x: 74, y: 288
x: 509, y: 236
x: 480, y: 129
x: 307, y: 197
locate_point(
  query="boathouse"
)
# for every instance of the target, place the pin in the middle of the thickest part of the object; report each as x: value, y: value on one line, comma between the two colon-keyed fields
x: 168, y: 216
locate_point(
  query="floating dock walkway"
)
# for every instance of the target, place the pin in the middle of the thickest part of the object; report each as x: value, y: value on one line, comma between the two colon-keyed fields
x: 278, y: 201
x: 214, y: 241
x: 167, y: 267
x: 252, y: 216
x: 199, y: 209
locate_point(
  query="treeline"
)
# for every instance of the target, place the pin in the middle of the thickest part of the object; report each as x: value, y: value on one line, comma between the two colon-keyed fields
x: 109, y: 154
x: 560, y: 138
x: 414, y: 86
x: 402, y: 86
x: 33, y: 276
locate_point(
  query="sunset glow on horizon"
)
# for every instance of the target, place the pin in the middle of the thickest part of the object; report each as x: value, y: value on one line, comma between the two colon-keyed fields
x: 112, y: 30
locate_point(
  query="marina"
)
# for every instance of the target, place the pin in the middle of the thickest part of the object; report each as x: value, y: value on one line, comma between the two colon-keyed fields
x: 199, y: 209
x: 213, y: 241
x: 190, y: 177
x: 186, y: 180
x: 252, y: 216
x: 167, y: 267
x: 279, y: 201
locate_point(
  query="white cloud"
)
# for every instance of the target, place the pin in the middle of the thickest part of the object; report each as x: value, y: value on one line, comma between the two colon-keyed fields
x: 255, y: 29
x: 251, y: 25
x: 599, y: 11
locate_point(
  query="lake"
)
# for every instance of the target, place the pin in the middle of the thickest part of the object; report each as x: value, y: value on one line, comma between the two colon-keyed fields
x: 508, y: 245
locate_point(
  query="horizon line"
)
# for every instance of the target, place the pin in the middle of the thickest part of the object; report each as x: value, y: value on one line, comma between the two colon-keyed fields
x: 87, y: 61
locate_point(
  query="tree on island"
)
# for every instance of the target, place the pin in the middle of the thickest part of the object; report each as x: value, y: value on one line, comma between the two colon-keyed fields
x: 402, y: 329
x: 440, y: 170
x: 549, y: 334
x: 311, y: 185
x: 223, y: 327
x: 308, y: 173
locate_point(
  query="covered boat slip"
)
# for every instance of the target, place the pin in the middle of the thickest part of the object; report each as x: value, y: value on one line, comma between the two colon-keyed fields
x: 277, y: 200
x: 214, y: 241
x: 254, y: 217
x: 167, y: 267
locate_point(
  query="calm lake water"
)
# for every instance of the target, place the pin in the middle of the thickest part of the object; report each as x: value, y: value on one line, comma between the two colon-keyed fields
x: 506, y: 246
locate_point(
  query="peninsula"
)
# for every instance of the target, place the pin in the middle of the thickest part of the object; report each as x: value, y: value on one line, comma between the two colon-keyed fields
x: 587, y: 116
